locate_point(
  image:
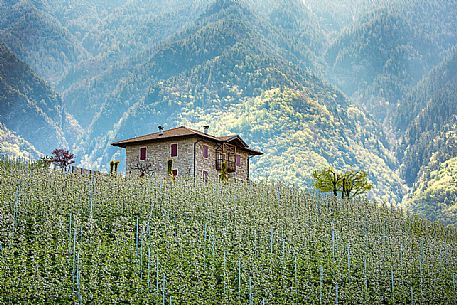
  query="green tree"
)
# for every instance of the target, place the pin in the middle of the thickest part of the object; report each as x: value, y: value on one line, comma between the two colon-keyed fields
x: 349, y: 184
x: 354, y: 183
x: 170, y: 170
x: 111, y: 167
x: 327, y: 180
x: 223, y: 173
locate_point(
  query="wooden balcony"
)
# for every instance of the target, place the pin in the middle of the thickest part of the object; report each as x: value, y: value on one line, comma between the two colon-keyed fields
x: 226, y: 153
x: 231, y: 165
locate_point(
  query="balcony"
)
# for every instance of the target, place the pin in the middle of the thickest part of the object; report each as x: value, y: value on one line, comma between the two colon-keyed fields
x: 231, y: 166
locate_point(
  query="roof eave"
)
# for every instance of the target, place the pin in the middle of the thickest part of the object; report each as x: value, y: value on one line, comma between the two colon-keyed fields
x: 253, y: 152
x: 118, y: 144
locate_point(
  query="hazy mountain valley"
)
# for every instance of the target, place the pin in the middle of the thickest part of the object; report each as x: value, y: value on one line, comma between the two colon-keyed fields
x: 310, y: 83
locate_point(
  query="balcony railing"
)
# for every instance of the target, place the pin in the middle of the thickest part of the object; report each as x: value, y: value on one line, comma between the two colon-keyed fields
x: 231, y: 166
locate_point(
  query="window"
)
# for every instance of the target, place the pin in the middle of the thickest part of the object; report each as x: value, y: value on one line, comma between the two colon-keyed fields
x: 205, y: 176
x: 238, y: 160
x: 175, y: 172
x: 205, y: 151
x: 174, y: 150
x: 143, y: 153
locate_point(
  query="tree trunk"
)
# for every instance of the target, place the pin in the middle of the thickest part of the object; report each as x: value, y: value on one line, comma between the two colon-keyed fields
x: 343, y: 192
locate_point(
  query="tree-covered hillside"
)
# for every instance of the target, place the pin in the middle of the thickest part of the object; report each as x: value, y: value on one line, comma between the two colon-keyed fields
x: 129, y: 32
x: 435, y: 192
x: 12, y: 145
x: 378, y: 61
x: 427, y: 122
x: 299, y: 133
x: 121, y: 68
x: 387, y: 51
x: 203, y: 66
x: 427, y: 119
x: 224, y: 60
x: 28, y: 106
x: 38, y: 39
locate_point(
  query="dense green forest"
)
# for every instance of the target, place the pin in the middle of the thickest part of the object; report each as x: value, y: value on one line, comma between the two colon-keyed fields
x: 27, y: 105
x: 427, y: 119
x: 312, y: 83
x: 37, y: 38
x: 67, y: 238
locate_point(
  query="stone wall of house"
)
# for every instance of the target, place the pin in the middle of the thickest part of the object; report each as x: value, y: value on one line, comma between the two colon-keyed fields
x: 242, y: 171
x: 206, y: 164
x: 158, y: 154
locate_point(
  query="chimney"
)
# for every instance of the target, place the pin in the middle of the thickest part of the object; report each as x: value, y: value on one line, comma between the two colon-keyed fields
x: 161, y: 130
x: 205, y: 129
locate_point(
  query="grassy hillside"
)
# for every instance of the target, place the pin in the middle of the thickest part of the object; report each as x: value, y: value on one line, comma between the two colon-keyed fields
x: 68, y: 238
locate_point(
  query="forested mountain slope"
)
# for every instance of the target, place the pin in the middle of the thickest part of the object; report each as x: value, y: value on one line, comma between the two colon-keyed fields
x: 386, y: 52
x: 435, y: 193
x: 118, y: 70
x: 427, y: 119
x: 298, y: 26
x: 28, y: 106
x: 38, y: 39
x: 300, y: 133
x: 378, y: 61
x: 12, y: 145
x: 334, y: 16
x: 124, y: 67
x: 224, y: 50
x: 131, y: 30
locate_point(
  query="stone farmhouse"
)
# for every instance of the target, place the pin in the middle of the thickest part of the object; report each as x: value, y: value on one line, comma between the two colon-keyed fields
x: 186, y: 152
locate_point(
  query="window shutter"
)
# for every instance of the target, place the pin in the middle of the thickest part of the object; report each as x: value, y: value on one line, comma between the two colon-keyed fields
x: 143, y: 153
x: 174, y: 150
x: 238, y: 160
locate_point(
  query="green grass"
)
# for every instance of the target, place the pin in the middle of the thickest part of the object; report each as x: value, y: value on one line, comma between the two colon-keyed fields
x: 67, y: 239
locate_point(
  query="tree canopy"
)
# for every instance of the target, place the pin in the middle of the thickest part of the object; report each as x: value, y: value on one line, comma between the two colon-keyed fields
x: 62, y: 157
x: 349, y: 184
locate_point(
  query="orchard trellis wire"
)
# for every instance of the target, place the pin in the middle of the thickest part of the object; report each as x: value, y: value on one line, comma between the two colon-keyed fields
x: 67, y: 238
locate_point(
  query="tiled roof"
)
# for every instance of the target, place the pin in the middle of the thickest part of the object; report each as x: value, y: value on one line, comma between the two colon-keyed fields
x: 180, y: 132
